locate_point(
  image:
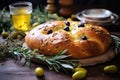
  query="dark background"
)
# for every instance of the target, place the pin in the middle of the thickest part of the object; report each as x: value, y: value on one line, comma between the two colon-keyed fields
x: 79, y: 5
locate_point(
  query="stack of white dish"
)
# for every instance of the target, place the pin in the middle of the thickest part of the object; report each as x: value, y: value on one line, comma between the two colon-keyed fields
x: 97, y: 16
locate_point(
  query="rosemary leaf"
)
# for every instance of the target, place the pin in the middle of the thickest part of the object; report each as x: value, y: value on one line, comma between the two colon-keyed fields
x: 116, y: 43
x: 67, y: 66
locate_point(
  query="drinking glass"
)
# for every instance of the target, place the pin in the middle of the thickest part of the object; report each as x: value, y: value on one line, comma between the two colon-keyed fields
x: 21, y: 15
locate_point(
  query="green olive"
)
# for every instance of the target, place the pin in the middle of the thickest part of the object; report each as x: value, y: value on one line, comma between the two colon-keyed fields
x: 73, y: 16
x: 19, y: 36
x: 4, y: 34
x: 39, y: 71
x: 79, y: 75
x: 110, y: 69
x: 80, y: 69
x: 35, y: 24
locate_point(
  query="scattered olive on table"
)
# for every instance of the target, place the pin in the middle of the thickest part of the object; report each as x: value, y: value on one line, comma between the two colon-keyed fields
x: 4, y: 34
x: 39, y: 71
x: 80, y: 69
x: 111, y: 69
x: 80, y: 73
x: 73, y: 16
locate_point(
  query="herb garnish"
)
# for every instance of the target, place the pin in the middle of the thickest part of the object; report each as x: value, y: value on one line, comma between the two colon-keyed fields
x: 58, y: 62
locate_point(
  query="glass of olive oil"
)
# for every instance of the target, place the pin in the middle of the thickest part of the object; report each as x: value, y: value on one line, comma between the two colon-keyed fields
x: 21, y: 15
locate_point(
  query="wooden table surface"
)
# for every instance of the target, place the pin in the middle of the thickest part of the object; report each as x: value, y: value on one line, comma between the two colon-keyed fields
x: 9, y: 70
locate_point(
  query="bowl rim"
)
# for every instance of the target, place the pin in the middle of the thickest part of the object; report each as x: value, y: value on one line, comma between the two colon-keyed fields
x: 86, y: 13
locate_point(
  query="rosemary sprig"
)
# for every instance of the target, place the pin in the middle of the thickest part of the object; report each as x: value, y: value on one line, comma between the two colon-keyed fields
x: 57, y: 62
x: 116, y: 43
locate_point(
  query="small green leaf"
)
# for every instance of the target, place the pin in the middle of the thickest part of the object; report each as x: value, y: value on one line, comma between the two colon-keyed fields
x: 116, y: 43
x: 67, y: 66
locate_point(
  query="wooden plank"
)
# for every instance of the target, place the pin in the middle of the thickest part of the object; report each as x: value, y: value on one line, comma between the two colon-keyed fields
x: 15, y: 71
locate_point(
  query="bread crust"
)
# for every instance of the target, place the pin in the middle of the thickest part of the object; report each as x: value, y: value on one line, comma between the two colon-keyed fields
x: 81, y: 42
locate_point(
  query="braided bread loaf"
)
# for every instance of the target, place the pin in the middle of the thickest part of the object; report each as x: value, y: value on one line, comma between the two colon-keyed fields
x: 80, y: 40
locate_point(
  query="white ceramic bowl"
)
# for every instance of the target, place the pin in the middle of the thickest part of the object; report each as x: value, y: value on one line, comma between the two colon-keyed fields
x: 96, y: 14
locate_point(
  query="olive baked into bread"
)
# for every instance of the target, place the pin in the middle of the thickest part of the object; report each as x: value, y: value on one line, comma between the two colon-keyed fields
x: 80, y: 40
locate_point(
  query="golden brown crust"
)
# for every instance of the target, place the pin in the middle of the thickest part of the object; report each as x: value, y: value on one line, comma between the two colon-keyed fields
x: 50, y: 38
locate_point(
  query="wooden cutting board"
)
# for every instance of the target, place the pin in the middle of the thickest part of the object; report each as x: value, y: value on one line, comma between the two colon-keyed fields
x: 107, y: 56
